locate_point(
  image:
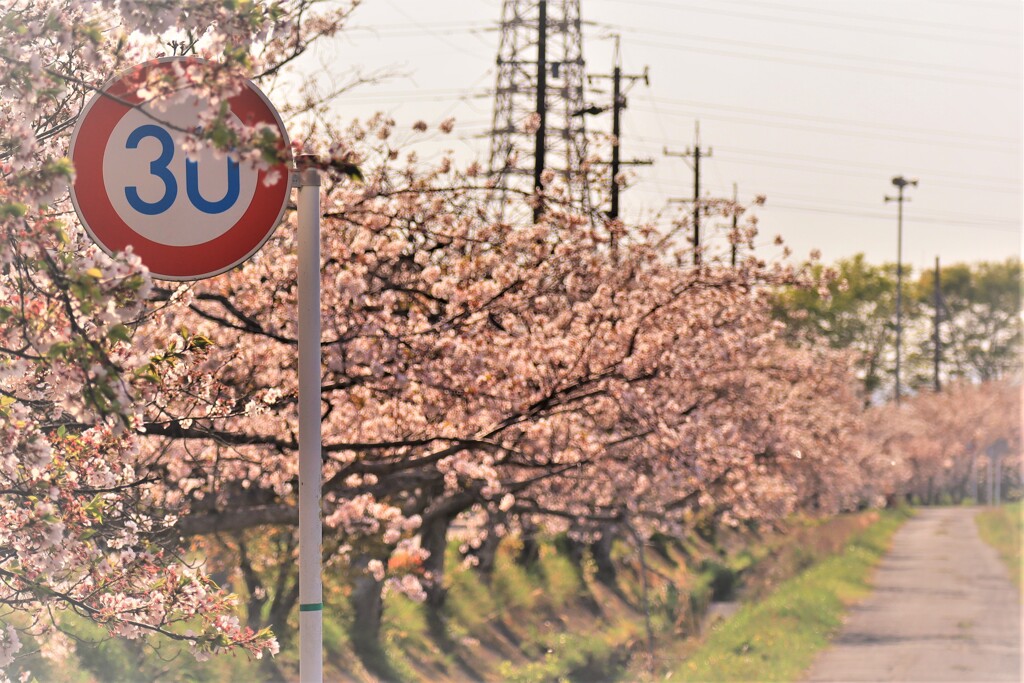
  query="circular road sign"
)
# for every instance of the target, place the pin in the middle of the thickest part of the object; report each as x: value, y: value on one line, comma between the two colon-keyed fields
x: 187, y: 215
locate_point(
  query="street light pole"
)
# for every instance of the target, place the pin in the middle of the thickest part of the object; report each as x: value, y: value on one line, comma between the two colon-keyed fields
x: 900, y: 182
x: 307, y: 179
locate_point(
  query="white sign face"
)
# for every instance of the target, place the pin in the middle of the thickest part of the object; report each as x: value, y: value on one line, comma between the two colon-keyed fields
x: 187, y: 216
x: 201, y: 198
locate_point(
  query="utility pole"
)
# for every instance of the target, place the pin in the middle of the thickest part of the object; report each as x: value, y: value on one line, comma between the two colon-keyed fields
x: 733, y: 237
x: 900, y: 182
x: 938, y: 319
x: 619, y: 103
x: 696, y: 153
x: 542, y: 89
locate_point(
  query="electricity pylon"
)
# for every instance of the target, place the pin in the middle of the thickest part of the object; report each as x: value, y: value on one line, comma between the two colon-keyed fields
x: 540, y: 82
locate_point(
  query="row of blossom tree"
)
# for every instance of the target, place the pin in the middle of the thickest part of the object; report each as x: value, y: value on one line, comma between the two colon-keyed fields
x: 512, y: 372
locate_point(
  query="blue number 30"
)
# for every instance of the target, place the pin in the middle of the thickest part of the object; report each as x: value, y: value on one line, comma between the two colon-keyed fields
x: 159, y: 168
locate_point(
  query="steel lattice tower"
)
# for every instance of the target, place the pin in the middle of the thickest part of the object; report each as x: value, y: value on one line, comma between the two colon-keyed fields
x: 535, y: 33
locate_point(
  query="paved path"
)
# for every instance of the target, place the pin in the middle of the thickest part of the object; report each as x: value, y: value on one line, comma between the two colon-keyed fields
x: 943, y: 609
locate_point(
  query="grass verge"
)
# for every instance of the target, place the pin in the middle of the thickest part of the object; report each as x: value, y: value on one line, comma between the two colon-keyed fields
x: 1002, y: 528
x: 776, y: 639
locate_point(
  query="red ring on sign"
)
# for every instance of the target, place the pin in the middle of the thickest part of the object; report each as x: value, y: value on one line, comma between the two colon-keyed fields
x: 110, y: 230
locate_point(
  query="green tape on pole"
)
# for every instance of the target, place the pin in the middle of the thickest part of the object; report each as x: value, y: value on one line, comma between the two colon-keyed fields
x: 312, y: 607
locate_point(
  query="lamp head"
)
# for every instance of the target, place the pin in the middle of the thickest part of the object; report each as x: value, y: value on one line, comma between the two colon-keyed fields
x: 900, y: 181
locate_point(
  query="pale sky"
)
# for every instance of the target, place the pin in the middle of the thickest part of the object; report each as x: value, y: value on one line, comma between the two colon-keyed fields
x: 815, y: 104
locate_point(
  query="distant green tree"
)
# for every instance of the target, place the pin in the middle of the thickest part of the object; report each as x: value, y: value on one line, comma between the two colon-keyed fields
x: 857, y: 314
x: 980, y: 332
x: 980, y: 329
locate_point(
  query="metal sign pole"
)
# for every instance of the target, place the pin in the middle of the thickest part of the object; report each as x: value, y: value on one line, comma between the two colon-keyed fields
x: 310, y: 531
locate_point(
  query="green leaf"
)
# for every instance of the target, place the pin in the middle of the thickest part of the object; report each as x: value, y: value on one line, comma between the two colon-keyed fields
x: 12, y: 210
x: 351, y: 171
x: 199, y: 341
x: 5, y: 403
x: 120, y: 333
x: 58, y: 349
x: 62, y: 166
x: 147, y: 374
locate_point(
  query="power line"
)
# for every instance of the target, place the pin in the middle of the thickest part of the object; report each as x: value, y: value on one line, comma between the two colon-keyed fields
x: 805, y: 22
x: 944, y: 68
x: 943, y: 215
x: 804, y: 128
x: 442, y: 36
x: 1009, y: 5
x: 813, y: 118
x: 857, y: 206
x: 844, y: 208
x: 956, y: 28
x: 418, y: 95
x: 1013, y: 185
x: 874, y: 71
x: 866, y: 174
x: 414, y: 28
x: 931, y: 220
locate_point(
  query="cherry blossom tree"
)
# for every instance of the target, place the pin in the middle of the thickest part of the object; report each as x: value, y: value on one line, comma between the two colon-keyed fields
x: 81, y: 528
x: 570, y: 372
x: 473, y: 364
x: 945, y: 442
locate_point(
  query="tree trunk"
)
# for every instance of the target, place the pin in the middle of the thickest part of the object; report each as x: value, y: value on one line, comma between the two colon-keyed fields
x: 368, y: 608
x: 487, y: 553
x: 530, y: 553
x: 434, y: 539
x: 573, y: 549
x: 270, y: 672
x: 601, y: 550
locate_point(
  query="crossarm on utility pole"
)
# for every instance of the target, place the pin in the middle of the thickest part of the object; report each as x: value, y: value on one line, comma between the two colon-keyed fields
x: 695, y: 153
